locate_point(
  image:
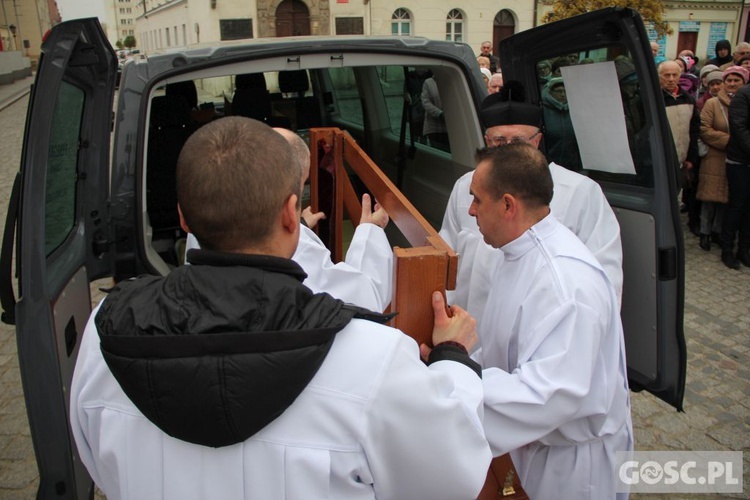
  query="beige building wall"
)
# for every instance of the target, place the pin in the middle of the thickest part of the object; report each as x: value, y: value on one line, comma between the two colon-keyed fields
x: 350, y: 15
x: 704, y: 13
x: 31, y: 19
x: 201, y: 19
x: 165, y: 27
x: 688, y: 12
x: 109, y: 22
x: 429, y: 18
x: 189, y: 22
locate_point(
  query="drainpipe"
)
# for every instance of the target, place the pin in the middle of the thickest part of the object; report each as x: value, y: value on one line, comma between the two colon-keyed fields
x: 18, y: 35
x: 5, y: 18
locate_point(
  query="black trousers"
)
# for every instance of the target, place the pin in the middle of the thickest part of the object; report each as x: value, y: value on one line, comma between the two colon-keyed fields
x: 737, y: 212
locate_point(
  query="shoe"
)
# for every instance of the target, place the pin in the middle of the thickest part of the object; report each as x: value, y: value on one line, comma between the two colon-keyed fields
x: 744, y: 257
x: 695, y: 229
x: 716, y: 238
x: 683, y: 209
x: 705, y: 242
x: 729, y: 260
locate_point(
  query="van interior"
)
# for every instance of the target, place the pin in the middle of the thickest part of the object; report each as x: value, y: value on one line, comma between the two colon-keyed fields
x: 379, y: 101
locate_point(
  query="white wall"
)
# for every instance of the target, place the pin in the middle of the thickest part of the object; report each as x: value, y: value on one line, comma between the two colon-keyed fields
x: 429, y: 17
x: 151, y: 30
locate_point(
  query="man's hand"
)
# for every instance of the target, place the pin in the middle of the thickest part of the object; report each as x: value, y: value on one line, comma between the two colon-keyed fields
x: 688, y: 165
x: 379, y: 217
x: 312, y: 219
x: 459, y: 327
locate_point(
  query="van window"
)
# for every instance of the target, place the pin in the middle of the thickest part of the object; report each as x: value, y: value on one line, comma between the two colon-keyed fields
x: 346, y: 95
x: 60, y: 196
x: 610, y: 70
x: 422, y: 105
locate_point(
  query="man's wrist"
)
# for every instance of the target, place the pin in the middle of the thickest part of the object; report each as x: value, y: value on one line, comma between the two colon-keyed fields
x: 453, y: 343
x: 453, y: 351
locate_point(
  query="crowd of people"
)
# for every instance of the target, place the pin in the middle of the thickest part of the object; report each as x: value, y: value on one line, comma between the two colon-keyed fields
x: 709, y: 114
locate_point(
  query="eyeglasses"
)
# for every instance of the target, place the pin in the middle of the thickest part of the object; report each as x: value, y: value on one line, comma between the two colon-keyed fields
x: 499, y: 140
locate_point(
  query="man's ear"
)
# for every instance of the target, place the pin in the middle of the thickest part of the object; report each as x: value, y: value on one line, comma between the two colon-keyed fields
x: 510, y: 205
x: 183, y: 224
x: 290, y: 214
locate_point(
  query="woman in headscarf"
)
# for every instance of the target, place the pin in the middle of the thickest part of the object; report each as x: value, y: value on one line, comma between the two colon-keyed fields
x: 714, y: 81
x: 559, y: 138
x: 703, y: 89
x: 713, y: 188
x: 688, y: 81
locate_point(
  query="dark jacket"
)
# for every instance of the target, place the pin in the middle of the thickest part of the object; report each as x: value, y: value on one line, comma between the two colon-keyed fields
x: 215, y: 351
x: 738, y: 148
x: 559, y: 136
x: 718, y: 61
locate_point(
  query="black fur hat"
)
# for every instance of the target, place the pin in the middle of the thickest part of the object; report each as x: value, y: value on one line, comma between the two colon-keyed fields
x: 507, y: 107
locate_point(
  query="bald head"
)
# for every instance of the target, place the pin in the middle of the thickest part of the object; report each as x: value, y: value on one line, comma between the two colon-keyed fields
x: 669, y: 75
x: 496, y: 83
x: 300, y: 151
x: 742, y: 50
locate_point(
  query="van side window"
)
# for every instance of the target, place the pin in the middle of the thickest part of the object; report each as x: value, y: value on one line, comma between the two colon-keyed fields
x: 607, y: 69
x: 422, y: 107
x: 346, y: 95
x: 60, y: 197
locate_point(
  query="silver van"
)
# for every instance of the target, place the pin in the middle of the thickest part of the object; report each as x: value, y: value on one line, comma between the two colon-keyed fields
x: 95, y: 194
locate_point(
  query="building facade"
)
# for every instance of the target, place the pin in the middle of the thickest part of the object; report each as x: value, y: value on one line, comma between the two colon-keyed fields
x: 161, y: 24
x: 23, y: 24
x: 120, y: 20
x: 697, y: 26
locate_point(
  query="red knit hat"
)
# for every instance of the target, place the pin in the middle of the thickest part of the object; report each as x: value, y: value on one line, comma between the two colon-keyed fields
x: 736, y: 70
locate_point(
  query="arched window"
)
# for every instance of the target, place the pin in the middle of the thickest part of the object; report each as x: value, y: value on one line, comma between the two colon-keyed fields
x: 454, y: 26
x: 401, y: 23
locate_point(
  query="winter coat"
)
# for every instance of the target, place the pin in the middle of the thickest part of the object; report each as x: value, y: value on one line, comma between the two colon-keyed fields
x: 434, y: 123
x: 559, y: 136
x: 738, y: 148
x: 712, y: 183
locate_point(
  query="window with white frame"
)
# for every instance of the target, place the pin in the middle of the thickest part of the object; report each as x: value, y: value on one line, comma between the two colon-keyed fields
x: 454, y: 26
x: 401, y: 23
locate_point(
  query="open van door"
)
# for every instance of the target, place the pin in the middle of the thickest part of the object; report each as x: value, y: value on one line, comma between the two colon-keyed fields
x: 61, y: 224
x: 619, y: 137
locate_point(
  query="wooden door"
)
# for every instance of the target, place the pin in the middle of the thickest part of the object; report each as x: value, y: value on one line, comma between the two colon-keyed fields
x: 503, y: 27
x: 687, y: 40
x: 292, y: 19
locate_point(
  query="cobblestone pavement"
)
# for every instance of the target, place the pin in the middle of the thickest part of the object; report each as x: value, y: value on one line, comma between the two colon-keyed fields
x: 717, y: 327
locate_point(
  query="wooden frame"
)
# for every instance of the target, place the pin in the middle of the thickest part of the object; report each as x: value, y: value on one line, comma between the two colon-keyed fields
x: 429, y: 265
